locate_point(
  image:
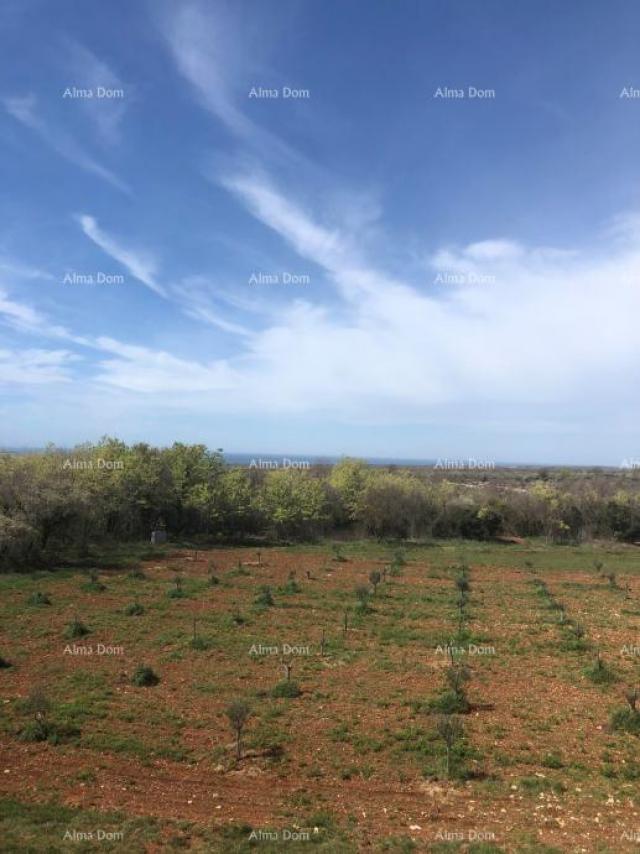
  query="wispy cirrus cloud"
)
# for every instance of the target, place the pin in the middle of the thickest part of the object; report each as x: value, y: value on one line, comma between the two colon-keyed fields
x: 88, y: 71
x: 35, y: 366
x: 140, y: 264
x: 24, y: 110
x: 194, y: 300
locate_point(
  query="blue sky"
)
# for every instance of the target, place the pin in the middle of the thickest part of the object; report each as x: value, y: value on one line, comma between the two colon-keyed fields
x: 469, y: 266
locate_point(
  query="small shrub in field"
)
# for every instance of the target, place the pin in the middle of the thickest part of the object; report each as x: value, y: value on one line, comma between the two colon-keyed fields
x: 4, y: 663
x: 264, y: 598
x: 375, y: 578
x: 611, y: 578
x: 176, y: 592
x: 457, y: 676
x: 449, y: 703
x: 137, y: 573
x: 286, y: 688
x: 39, y: 598
x: 399, y: 558
x: 362, y: 595
x: 238, y: 714
x: 632, y: 697
x: 35, y: 731
x: 462, y: 583
x: 337, y: 553
x: 40, y: 728
x: 94, y: 585
x: 144, y: 677
x: 213, y: 580
x: 76, y: 629
x: 626, y: 720
x: 135, y: 609
x: 598, y: 566
x: 291, y: 587
x: 201, y: 643
x: 600, y: 673
x: 553, y: 760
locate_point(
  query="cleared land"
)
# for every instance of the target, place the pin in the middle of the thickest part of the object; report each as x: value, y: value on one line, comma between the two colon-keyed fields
x: 355, y: 761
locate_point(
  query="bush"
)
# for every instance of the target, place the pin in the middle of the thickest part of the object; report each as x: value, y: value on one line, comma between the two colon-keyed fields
x: 144, y: 677
x: 286, y: 688
x: 200, y: 643
x: 264, y: 598
x: 38, y: 730
x: 94, y: 585
x: 449, y: 703
x: 176, y: 592
x: 213, y: 580
x: 291, y: 587
x: 138, y: 574
x: 135, y: 609
x: 39, y: 598
x: 76, y: 629
x: 626, y: 720
x: 238, y: 714
x: 600, y: 673
x: 462, y: 583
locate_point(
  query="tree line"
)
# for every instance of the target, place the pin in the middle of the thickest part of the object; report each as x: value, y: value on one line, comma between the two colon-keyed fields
x: 58, y: 500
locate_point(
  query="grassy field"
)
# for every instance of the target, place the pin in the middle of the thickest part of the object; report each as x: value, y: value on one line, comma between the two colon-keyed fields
x: 349, y: 752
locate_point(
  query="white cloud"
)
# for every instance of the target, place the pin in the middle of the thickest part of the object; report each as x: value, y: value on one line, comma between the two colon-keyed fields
x: 88, y: 71
x: 23, y: 109
x: 140, y: 264
x: 141, y: 369
x: 35, y: 366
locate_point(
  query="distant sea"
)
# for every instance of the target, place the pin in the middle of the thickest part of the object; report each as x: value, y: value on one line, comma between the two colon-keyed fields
x: 306, y: 460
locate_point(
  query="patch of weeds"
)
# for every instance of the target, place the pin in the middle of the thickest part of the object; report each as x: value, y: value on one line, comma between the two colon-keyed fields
x: 94, y: 585
x: 600, y: 673
x: 290, y: 588
x: 553, y: 759
x: 536, y: 785
x: 201, y: 643
x: 144, y: 677
x: 625, y: 720
x: 39, y: 599
x: 76, y: 629
x: 264, y: 597
x: 135, y: 609
x: 287, y: 688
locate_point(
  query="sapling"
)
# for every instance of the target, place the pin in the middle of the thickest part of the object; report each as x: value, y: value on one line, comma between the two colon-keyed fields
x: 462, y: 583
x: 287, y: 666
x: 238, y: 714
x: 450, y: 730
x: 362, y: 595
x: 456, y: 676
x: 264, y: 597
x: 145, y: 677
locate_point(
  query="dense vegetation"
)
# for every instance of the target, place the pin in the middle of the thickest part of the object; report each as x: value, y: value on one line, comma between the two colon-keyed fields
x: 59, y: 500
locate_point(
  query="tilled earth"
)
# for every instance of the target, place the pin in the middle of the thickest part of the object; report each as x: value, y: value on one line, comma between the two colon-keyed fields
x: 357, y: 746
